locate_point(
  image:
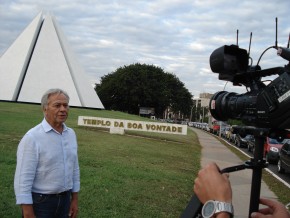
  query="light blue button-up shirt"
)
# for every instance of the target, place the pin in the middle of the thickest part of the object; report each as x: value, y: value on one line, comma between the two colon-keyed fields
x: 47, y: 163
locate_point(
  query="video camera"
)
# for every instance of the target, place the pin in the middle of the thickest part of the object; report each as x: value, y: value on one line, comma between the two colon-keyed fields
x: 266, y: 106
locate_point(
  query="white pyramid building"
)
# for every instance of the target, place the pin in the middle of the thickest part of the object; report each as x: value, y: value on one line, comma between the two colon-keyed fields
x: 40, y: 59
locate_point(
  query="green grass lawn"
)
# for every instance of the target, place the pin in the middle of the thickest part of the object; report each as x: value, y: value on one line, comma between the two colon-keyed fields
x: 121, y: 175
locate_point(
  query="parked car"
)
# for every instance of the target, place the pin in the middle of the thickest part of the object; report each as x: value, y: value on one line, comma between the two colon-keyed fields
x: 224, y: 131
x: 231, y: 137
x: 204, y: 126
x: 190, y: 124
x: 271, y: 150
x: 284, y: 158
x: 240, y: 141
x: 214, y: 127
x: 251, y: 143
x: 207, y: 128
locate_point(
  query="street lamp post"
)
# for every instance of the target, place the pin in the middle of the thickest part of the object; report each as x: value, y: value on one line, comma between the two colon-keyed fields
x: 191, y: 113
x: 191, y: 110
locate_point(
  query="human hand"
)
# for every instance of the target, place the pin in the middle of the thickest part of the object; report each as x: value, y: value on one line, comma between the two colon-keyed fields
x: 27, y: 211
x: 212, y: 185
x: 73, y: 210
x: 275, y: 209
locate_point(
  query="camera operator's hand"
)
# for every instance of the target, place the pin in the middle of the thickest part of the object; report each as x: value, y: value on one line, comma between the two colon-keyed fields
x: 275, y: 209
x: 212, y: 185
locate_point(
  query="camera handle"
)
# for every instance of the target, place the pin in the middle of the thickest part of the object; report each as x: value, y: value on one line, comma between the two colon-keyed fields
x: 193, y: 209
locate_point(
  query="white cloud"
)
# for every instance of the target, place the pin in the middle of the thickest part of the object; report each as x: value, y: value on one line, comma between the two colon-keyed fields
x: 177, y: 35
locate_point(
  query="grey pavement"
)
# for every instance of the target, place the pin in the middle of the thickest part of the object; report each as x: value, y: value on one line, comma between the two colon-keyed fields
x: 214, y: 151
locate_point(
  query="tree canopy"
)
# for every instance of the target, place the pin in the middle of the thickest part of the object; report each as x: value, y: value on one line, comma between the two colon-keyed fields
x: 140, y: 85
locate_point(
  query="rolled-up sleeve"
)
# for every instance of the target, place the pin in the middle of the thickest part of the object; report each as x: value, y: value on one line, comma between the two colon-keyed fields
x: 76, y: 170
x: 76, y: 177
x: 27, y: 159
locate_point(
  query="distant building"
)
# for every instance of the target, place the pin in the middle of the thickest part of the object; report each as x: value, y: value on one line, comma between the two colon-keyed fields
x: 202, y: 100
x: 200, y: 110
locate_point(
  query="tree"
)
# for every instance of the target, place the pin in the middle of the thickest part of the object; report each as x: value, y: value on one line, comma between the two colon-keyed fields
x: 141, y: 85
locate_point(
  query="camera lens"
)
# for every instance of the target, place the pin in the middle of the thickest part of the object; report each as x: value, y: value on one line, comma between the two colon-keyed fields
x: 229, y: 105
x: 217, y: 106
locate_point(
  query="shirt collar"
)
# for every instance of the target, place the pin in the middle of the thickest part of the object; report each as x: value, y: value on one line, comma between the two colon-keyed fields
x: 47, y: 127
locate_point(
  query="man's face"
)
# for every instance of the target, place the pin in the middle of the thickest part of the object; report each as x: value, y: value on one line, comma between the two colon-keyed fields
x: 56, y: 112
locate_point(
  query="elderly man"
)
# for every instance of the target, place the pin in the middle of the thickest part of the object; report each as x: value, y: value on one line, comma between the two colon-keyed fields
x: 47, y: 177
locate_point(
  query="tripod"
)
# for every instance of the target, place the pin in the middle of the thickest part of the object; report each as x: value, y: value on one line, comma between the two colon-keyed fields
x: 257, y: 163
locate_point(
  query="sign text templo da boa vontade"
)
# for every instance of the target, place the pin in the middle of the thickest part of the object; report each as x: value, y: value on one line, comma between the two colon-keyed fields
x: 133, y: 125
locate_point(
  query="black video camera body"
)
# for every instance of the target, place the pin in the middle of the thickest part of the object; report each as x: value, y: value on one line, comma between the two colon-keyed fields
x: 266, y: 106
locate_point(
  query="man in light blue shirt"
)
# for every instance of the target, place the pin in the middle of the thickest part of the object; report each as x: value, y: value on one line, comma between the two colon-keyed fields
x: 47, y: 177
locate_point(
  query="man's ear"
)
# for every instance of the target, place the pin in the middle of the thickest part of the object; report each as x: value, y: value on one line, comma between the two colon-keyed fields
x: 44, y: 110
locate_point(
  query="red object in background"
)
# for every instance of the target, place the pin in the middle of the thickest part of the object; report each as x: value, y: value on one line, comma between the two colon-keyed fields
x: 271, y: 150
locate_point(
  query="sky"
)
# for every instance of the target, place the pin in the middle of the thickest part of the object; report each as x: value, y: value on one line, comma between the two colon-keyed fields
x: 175, y: 35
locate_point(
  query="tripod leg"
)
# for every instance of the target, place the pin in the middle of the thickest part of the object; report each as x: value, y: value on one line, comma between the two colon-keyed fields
x: 257, y: 174
x: 193, y: 208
